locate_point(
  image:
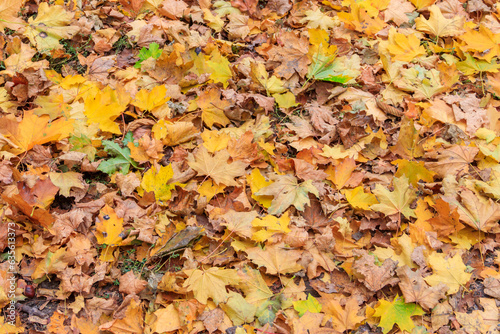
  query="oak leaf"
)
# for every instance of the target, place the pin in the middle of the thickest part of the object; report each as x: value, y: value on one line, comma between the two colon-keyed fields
x: 216, y: 166
x: 210, y: 283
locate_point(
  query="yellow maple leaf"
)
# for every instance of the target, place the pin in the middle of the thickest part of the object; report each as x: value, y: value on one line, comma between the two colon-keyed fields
x: 422, y: 3
x: 220, y: 66
x: 216, y: 166
x: 149, y: 100
x: 158, y: 182
x: 272, y: 84
x: 50, y: 26
x: 210, y: 283
x: 212, y: 107
x: 257, y: 181
x: 404, y: 48
x: 215, y: 140
x: 359, y: 199
x: 109, y: 228
x: 270, y: 225
x: 66, y: 181
x: 316, y: 19
x: 103, y: 108
x: 358, y: 19
x: 209, y: 189
x: 439, y: 26
x: 397, y: 201
x: 33, y: 130
x: 276, y: 259
x: 484, y: 42
x: 450, y: 271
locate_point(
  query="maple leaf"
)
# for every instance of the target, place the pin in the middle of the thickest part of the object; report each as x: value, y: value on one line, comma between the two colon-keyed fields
x: 272, y: 84
x: 253, y: 286
x: 50, y: 26
x: 33, y: 130
x: 132, y: 322
x: 256, y: 182
x: 66, y: 181
x: 446, y: 221
x: 287, y: 191
x: 150, y: 100
x: 398, y: 201
x: 341, y: 173
x: 359, y: 20
x: 471, y: 66
x: 453, y: 160
x: 109, y: 229
x: 216, y: 166
x: 479, y: 213
x: 358, y: 199
x: 414, y: 171
x: 398, y: 313
x: 212, y: 107
x: 270, y: 225
x: 311, y: 304
x: 238, y: 309
x: 158, y: 182
x: 105, y: 100
x: 416, y: 290
x: 397, y: 11
x: 404, y: 48
x: 239, y: 222
x: 318, y: 19
x: 275, y: 259
x: 374, y: 277
x: 221, y: 71
x: 52, y: 263
x: 210, y: 283
x: 424, y: 84
x: 484, y: 42
x: 342, y: 318
x: 451, y: 272
x: 439, y: 26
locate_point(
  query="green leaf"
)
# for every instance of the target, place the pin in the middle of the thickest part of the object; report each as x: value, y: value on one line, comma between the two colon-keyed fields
x: 471, y: 66
x: 121, y: 160
x: 154, y: 51
x: 311, y: 304
x: 397, y: 313
x: 266, y: 312
x: 326, y: 67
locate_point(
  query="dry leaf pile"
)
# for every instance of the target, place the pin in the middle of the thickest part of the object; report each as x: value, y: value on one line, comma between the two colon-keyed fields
x: 250, y: 166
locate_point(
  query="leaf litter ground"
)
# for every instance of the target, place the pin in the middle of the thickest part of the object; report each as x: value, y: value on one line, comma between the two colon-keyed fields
x: 250, y: 167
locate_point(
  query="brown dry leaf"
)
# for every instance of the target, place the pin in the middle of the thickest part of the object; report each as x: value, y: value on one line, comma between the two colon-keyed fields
x: 478, y: 212
x: 372, y: 276
x: 416, y: 290
x: 453, y: 160
x: 130, y: 284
